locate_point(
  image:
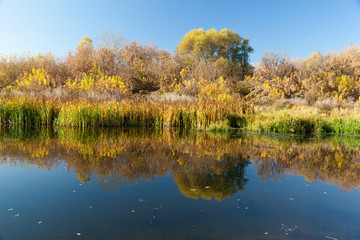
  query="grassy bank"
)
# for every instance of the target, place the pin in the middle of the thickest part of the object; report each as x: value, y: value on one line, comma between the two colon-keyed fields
x: 144, y: 113
x: 304, y: 120
x: 217, y: 115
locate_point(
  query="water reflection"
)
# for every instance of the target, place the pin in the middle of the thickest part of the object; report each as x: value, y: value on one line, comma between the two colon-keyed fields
x: 220, y: 183
x: 203, y: 165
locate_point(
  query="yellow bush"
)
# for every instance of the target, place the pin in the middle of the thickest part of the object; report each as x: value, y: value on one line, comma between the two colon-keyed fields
x: 37, y: 79
x: 98, y: 81
x: 214, y: 90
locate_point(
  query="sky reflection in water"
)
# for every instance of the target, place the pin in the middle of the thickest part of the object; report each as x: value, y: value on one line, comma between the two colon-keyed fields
x: 135, y: 184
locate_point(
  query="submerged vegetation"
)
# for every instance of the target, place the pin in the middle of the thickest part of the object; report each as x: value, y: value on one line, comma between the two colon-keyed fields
x: 208, y: 83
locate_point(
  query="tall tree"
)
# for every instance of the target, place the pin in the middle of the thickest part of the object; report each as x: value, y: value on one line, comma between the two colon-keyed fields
x: 211, y: 45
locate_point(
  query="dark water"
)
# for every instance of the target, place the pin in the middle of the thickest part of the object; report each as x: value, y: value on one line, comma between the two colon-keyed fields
x: 134, y: 184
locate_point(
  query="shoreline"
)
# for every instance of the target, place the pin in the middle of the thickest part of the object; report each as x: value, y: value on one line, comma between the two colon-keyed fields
x: 197, y: 115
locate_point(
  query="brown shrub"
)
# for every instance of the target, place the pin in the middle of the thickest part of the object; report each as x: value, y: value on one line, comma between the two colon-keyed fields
x: 82, y: 60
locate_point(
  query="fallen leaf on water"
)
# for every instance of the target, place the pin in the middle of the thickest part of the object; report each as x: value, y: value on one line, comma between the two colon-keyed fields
x: 16, y: 215
x: 10, y: 209
x: 331, y: 238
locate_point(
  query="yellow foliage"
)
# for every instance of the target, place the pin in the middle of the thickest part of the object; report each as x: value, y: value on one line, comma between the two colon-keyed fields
x: 214, y: 90
x: 37, y: 79
x: 99, y: 81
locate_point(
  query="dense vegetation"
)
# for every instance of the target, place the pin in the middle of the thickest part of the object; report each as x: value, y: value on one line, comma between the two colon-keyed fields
x: 209, y: 81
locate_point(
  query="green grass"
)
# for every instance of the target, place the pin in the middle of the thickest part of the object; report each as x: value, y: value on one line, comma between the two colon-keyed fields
x: 150, y: 114
x: 201, y: 115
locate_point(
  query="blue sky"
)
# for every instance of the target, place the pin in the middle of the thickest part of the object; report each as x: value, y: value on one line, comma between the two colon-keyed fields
x: 298, y: 27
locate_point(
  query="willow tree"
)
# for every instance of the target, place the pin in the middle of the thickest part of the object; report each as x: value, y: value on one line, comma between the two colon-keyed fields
x: 211, y: 45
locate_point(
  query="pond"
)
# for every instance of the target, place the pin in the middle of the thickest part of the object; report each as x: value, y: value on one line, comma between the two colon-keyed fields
x: 138, y: 184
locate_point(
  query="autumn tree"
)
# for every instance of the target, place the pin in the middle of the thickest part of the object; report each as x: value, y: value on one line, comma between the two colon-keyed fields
x: 81, y: 61
x: 211, y: 46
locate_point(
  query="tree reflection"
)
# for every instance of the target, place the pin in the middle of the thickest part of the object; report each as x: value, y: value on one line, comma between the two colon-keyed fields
x: 203, y: 165
x: 218, y: 184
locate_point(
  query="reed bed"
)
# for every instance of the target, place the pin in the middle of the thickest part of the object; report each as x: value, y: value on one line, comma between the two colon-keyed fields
x: 25, y: 112
x: 199, y: 114
x: 213, y: 115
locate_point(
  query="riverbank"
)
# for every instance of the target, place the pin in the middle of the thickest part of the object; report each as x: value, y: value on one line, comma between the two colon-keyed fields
x: 220, y: 115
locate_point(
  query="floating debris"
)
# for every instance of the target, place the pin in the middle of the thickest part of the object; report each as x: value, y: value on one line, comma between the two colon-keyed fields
x: 74, y: 190
x: 16, y: 215
x: 288, y: 229
x: 90, y: 206
x: 325, y: 192
x: 291, y: 199
x: 207, y: 187
x: 266, y: 233
x: 141, y: 200
x: 246, y: 208
x: 10, y: 209
x: 132, y: 211
x: 331, y: 238
x: 39, y: 222
x: 78, y: 234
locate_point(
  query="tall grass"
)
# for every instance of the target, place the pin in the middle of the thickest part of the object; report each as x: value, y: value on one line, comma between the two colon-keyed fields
x: 215, y: 115
x: 184, y: 115
x: 304, y: 120
x: 194, y: 115
x: 22, y: 112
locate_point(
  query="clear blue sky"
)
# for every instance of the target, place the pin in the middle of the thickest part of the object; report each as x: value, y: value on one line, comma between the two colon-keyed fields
x: 297, y: 27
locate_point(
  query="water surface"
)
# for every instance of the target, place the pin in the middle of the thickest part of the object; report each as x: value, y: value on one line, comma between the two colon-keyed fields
x: 136, y: 184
